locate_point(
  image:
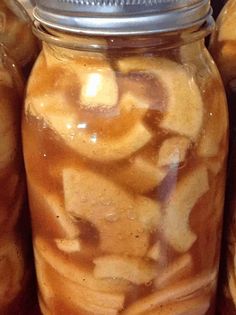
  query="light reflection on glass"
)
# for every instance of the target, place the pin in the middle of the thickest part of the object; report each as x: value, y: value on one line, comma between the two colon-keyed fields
x: 82, y: 126
x: 93, y: 138
x: 94, y: 81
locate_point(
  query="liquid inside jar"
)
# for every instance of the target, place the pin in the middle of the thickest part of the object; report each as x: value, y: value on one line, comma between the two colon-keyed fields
x: 125, y: 158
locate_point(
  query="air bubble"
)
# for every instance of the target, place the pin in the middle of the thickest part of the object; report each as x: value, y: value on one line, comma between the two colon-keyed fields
x: 112, y: 217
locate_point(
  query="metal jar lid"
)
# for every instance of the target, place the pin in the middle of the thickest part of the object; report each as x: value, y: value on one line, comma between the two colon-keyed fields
x: 122, y: 17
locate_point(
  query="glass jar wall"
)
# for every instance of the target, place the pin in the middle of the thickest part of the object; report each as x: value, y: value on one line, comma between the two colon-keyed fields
x: 125, y: 142
x: 16, y: 33
x: 15, y: 267
x: 223, y: 48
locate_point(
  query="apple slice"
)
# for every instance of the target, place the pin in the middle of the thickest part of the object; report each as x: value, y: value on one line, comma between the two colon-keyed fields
x: 80, y: 296
x: 135, y: 270
x: 176, y: 271
x: 96, y: 79
x: 184, y: 105
x: 91, y: 145
x: 123, y: 221
x: 184, y: 290
x: 178, y: 209
x: 130, y: 101
x: 173, y: 151
x: 68, y: 246
x: 99, y: 87
x: 53, y: 209
x: 155, y: 251
x: 140, y: 175
x: 76, y: 272
x: 195, y: 306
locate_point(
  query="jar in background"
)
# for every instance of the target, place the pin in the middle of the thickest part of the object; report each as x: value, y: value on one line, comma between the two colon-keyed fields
x: 223, y: 42
x: 223, y: 48
x: 125, y: 143
x: 15, y: 266
x: 16, y: 33
x: 217, y: 6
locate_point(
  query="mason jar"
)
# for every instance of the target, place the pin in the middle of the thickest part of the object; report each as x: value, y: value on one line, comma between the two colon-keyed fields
x: 16, y: 33
x: 15, y: 252
x: 223, y: 48
x: 223, y: 42
x: 125, y: 143
x: 217, y: 6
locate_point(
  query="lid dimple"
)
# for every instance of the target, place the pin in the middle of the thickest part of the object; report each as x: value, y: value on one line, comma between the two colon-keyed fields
x: 122, y: 17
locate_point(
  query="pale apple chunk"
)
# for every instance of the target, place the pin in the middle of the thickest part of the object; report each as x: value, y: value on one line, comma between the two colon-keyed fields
x: 123, y: 221
x: 177, y: 270
x: 68, y: 246
x: 80, y: 296
x: 135, y: 270
x: 83, y: 275
x: 195, y: 306
x: 130, y: 101
x: 99, y: 88
x: 178, y: 209
x: 192, y: 287
x: 55, y: 210
x: 93, y: 146
x: 154, y: 252
x: 184, y: 112
x: 140, y: 175
x: 173, y: 151
x: 148, y: 213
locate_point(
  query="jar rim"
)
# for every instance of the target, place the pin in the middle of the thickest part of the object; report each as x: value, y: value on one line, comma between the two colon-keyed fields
x: 161, y: 41
x: 122, y: 17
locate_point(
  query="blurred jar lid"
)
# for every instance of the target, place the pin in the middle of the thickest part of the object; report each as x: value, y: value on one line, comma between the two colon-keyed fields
x: 122, y: 17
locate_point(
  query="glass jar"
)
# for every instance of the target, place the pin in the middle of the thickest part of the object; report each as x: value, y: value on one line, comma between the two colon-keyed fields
x: 223, y: 48
x: 15, y: 266
x: 16, y: 33
x: 223, y: 42
x: 217, y: 6
x: 125, y: 142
